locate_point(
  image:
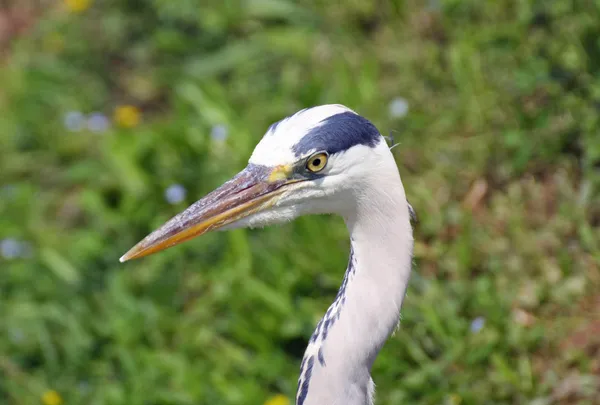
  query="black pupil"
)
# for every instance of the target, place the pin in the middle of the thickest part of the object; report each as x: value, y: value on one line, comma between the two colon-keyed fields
x: 316, y: 162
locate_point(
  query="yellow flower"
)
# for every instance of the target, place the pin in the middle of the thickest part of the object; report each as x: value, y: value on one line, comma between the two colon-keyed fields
x: 51, y: 397
x: 78, y: 6
x: 278, y: 400
x: 455, y: 399
x: 127, y: 116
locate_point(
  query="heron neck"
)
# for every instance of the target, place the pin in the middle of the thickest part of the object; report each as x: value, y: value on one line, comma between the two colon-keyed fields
x: 341, y: 352
x: 382, y: 246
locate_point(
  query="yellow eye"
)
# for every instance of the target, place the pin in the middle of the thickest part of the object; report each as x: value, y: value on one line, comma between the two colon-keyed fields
x: 316, y: 162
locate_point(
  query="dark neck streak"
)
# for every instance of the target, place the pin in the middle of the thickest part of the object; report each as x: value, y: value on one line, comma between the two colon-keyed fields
x: 320, y: 334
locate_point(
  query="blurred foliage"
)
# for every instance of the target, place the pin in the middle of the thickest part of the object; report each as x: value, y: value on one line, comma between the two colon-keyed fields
x: 499, y: 153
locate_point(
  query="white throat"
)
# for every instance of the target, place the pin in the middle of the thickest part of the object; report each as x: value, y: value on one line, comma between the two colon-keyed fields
x: 337, y: 363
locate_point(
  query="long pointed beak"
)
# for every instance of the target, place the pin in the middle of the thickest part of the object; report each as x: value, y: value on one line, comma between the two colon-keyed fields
x: 252, y: 190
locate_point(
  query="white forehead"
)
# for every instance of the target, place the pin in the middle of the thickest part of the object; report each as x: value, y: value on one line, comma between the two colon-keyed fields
x: 275, y: 147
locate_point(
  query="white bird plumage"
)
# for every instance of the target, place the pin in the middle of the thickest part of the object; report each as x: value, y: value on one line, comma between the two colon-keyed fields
x: 360, y: 181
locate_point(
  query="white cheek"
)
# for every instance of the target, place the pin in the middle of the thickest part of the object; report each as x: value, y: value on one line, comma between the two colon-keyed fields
x: 324, y: 196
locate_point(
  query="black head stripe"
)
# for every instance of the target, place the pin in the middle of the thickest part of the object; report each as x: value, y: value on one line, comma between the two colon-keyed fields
x: 338, y: 133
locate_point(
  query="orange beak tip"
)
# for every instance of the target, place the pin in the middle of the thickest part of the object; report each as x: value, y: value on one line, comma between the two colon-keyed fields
x: 131, y: 254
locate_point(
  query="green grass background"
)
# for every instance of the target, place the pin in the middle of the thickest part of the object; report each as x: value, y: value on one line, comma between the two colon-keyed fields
x: 499, y: 154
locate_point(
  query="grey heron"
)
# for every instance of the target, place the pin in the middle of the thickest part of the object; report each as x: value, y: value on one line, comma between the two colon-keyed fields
x: 323, y: 160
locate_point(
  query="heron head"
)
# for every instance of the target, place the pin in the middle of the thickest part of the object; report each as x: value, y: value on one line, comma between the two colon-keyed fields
x: 316, y: 161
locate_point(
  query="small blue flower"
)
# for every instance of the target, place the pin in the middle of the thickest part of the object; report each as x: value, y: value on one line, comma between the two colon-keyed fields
x: 477, y: 324
x: 16, y: 335
x: 219, y: 133
x: 98, y: 122
x: 83, y: 387
x: 8, y: 191
x: 398, y: 108
x: 175, y: 194
x: 11, y: 248
x: 74, y: 121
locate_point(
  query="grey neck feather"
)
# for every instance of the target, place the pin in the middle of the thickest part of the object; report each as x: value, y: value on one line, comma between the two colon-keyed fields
x: 337, y: 363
